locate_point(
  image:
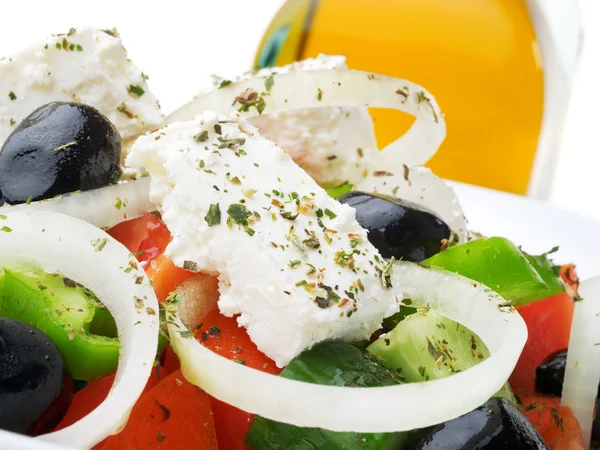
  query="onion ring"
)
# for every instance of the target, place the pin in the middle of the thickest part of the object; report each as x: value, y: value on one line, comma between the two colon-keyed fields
x: 582, y: 374
x: 103, y: 207
x: 86, y: 254
x: 329, y: 88
x: 380, y: 409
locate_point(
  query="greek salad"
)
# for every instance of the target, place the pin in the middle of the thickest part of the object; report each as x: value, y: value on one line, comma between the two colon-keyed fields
x: 252, y: 272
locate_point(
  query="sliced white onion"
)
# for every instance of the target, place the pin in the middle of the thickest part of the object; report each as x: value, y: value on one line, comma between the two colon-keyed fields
x: 338, y: 87
x: 582, y: 375
x: 421, y: 186
x: 86, y: 254
x: 380, y: 409
x: 104, y: 207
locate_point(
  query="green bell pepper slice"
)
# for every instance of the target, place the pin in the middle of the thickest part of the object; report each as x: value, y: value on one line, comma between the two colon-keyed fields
x: 503, y: 267
x: 69, y: 314
x: 332, y: 363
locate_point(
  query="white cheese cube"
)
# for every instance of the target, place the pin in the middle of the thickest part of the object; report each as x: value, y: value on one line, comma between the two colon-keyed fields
x: 86, y: 66
x: 292, y: 262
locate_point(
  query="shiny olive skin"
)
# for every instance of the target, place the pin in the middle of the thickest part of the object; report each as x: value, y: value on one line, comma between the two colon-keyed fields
x: 549, y: 376
x: 31, y: 375
x: 59, y: 148
x: 397, y: 227
x: 496, y: 425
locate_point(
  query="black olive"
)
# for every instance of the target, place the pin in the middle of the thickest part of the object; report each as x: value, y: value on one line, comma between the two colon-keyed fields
x: 31, y: 375
x: 397, y: 227
x: 549, y: 376
x: 496, y: 425
x: 57, y: 149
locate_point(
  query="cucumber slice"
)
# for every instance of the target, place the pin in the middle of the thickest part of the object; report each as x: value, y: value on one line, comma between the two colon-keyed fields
x: 428, y: 346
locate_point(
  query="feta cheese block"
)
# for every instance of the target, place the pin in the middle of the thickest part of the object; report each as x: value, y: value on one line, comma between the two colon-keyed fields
x: 333, y: 145
x: 84, y: 65
x: 292, y: 262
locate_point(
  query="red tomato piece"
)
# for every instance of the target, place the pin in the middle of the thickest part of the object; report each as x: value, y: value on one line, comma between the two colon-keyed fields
x: 173, y: 415
x: 557, y: 424
x: 165, y: 276
x: 90, y: 397
x: 231, y: 424
x: 225, y: 337
x: 147, y: 236
x: 171, y: 360
x: 549, y: 327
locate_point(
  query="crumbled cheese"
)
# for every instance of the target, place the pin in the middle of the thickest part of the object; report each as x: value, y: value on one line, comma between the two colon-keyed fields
x: 292, y: 262
x: 85, y: 66
x: 333, y: 145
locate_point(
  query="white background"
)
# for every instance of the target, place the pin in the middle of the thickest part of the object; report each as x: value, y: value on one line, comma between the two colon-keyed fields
x: 179, y: 43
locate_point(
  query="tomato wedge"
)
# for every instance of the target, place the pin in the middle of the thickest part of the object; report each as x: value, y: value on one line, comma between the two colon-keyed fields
x: 90, y: 397
x: 146, y: 237
x: 557, y: 424
x: 549, y: 327
x: 225, y: 337
x: 165, y: 276
x: 173, y: 415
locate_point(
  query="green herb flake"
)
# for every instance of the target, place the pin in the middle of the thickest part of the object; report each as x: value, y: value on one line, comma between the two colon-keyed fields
x: 260, y: 106
x: 12, y: 95
x: 330, y: 213
x: 135, y: 90
x: 224, y: 83
x: 118, y: 203
x: 6, y: 229
x: 213, y: 217
x: 269, y: 82
x: 190, y: 265
x: 122, y: 108
x: 295, y: 263
x: 99, y: 243
x: 319, y: 94
x: 186, y: 334
x: 239, y: 213
x: 288, y: 215
x: 202, y: 136
x: 29, y: 200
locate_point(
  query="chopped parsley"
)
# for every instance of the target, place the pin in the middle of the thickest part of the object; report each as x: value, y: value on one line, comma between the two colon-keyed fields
x: 269, y: 83
x: 135, y: 90
x: 99, y: 243
x: 239, y: 213
x: 12, y: 95
x: 190, y: 265
x: 202, y: 136
x: 330, y: 213
x: 213, y: 217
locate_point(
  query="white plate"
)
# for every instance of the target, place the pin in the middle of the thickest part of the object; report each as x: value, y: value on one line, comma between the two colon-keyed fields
x: 536, y: 225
